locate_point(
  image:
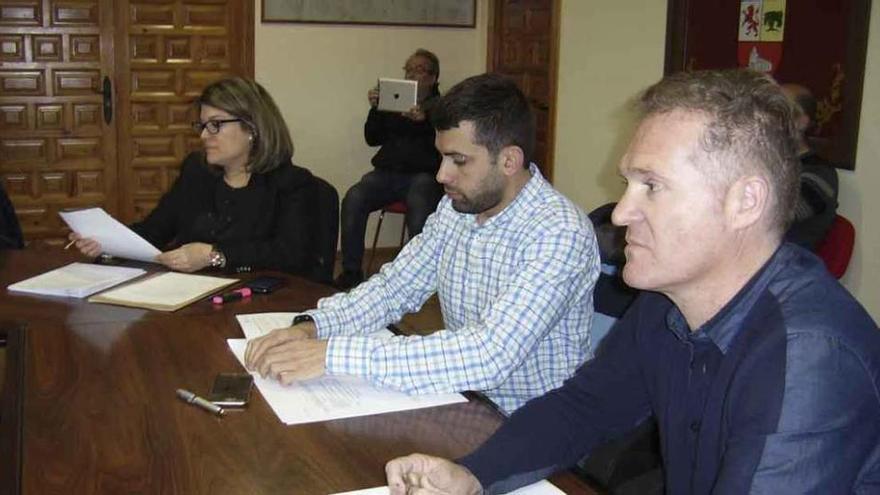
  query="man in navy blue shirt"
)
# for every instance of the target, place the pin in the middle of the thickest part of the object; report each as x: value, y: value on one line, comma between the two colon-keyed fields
x: 761, y: 371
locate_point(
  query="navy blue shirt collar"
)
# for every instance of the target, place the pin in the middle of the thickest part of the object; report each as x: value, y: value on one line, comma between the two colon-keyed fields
x: 723, y: 328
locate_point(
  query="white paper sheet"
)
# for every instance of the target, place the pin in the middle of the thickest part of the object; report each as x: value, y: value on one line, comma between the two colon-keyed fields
x: 76, y: 280
x: 258, y: 324
x: 335, y: 396
x: 116, y: 239
x: 540, y: 488
x: 255, y: 325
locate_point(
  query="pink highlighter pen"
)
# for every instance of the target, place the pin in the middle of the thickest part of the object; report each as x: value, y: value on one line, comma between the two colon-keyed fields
x: 232, y: 296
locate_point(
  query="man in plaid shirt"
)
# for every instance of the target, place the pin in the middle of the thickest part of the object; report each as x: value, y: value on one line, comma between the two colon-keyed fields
x: 512, y: 261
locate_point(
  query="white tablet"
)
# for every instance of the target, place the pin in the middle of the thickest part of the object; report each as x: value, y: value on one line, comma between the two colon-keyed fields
x: 397, y: 95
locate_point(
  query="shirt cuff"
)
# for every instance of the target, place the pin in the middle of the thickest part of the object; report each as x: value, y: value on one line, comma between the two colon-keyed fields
x: 349, y: 355
x: 325, y: 321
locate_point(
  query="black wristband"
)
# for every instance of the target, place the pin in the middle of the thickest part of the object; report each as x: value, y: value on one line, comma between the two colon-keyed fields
x: 302, y: 319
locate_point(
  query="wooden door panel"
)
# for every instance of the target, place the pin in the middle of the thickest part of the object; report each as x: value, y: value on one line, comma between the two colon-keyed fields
x: 171, y: 50
x: 523, y: 38
x: 56, y: 151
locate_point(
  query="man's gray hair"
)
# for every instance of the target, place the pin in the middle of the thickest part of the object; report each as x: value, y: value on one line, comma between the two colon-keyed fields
x: 750, y: 128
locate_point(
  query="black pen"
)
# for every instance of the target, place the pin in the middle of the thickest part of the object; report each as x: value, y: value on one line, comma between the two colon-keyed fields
x: 232, y: 296
x: 191, y: 398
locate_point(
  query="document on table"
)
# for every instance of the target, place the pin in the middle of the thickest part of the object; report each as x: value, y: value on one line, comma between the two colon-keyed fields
x: 330, y: 396
x: 168, y: 291
x: 258, y: 324
x: 76, y: 280
x: 115, y: 238
x: 542, y: 487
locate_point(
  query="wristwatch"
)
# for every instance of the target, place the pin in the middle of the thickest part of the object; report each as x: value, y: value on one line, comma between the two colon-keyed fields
x: 303, y: 318
x: 217, y: 259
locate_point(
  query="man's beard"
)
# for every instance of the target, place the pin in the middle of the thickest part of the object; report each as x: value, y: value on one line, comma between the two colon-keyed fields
x: 487, y: 197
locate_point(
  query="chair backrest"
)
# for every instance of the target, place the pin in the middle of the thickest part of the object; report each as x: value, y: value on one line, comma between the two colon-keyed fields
x: 836, y: 247
x: 326, y: 231
x: 10, y: 230
x: 611, y: 296
x: 396, y: 207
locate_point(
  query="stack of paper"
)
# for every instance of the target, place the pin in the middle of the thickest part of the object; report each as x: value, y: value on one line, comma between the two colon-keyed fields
x: 539, y: 488
x: 76, y: 280
x: 169, y: 291
x: 330, y: 396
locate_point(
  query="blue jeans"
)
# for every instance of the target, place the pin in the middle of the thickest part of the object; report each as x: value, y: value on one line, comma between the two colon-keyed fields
x: 420, y: 191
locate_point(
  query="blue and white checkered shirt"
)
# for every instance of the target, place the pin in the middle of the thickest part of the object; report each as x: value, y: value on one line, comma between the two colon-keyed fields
x: 515, y: 292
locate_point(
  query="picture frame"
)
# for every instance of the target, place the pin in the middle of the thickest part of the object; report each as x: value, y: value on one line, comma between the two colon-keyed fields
x: 432, y: 13
x: 824, y: 48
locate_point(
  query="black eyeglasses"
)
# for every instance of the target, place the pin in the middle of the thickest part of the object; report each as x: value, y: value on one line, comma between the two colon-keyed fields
x: 417, y: 69
x: 213, y: 126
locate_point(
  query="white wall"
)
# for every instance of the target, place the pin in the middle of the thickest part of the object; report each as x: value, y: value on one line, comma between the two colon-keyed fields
x: 319, y: 76
x: 609, y: 51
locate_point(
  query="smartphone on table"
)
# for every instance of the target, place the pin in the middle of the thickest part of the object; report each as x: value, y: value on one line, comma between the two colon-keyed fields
x: 231, y: 390
x: 265, y: 285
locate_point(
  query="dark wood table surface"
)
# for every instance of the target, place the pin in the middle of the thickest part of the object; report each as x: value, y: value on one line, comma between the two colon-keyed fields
x: 89, y: 404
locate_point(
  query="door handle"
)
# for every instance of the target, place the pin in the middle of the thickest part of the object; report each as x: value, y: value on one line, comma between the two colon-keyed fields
x: 108, y: 100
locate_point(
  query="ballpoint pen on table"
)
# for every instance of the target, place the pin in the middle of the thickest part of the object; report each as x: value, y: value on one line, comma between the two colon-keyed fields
x: 191, y: 398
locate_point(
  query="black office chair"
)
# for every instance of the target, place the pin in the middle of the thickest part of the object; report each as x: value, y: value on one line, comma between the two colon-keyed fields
x: 10, y: 230
x: 611, y: 296
x: 630, y: 464
x: 325, y: 231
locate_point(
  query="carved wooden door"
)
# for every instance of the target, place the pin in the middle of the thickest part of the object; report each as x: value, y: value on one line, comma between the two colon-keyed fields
x: 171, y: 50
x: 523, y: 44
x: 65, y: 141
x: 56, y: 149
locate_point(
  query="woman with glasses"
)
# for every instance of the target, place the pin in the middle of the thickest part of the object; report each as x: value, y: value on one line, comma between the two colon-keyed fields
x: 239, y: 203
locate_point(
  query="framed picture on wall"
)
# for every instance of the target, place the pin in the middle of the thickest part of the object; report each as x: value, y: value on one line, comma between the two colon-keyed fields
x: 448, y: 13
x: 820, y: 44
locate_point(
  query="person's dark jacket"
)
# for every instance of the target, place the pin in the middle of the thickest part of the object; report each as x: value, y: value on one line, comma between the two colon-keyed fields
x: 264, y: 225
x: 10, y: 230
x: 406, y: 145
x: 817, y: 203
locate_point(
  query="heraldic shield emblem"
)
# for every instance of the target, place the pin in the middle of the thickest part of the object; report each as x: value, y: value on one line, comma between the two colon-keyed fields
x: 761, y: 31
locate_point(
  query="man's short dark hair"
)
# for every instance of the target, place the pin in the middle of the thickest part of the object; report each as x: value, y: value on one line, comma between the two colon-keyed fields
x: 750, y: 128
x: 431, y: 58
x: 500, y: 112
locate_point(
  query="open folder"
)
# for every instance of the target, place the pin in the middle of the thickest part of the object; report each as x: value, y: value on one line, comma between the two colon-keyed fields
x: 164, y: 292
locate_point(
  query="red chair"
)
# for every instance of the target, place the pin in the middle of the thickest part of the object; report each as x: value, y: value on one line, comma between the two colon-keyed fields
x: 837, y: 246
x: 395, y: 207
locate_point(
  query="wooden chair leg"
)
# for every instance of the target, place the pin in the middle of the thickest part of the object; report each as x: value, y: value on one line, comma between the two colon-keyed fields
x: 375, y: 240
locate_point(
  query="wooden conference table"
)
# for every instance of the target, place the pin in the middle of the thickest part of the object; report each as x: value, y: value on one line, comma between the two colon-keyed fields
x: 89, y: 404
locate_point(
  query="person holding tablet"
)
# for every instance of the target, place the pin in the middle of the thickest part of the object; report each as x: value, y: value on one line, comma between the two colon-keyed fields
x: 405, y: 166
x: 238, y: 204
